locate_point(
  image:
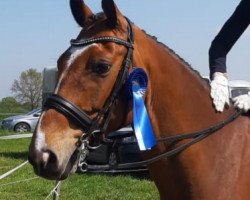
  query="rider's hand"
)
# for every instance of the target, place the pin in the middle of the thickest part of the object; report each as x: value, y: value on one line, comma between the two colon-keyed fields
x: 219, y: 91
x: 242, y: 102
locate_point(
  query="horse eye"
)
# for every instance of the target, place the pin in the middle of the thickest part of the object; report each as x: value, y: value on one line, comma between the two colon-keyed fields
x: 102, y: 68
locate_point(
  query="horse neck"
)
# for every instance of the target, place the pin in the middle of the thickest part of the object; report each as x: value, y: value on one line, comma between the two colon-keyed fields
x: 178, y: 99
x: 178, y: 102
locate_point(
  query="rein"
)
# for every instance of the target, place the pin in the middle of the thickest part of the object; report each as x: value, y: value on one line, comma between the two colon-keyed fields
x: 195, y: 136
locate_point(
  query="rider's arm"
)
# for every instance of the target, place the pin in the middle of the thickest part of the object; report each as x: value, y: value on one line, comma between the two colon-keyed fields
x: 228, y: 35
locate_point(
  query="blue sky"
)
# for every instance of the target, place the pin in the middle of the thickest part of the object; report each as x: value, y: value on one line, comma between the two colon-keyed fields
x: 35, y: 33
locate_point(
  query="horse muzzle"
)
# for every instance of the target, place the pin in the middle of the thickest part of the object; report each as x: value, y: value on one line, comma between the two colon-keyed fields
x: 46, y: 164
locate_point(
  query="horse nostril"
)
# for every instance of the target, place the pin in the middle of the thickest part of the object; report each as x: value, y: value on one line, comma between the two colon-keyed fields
x: 48, y: 158
x: 52, y: 158
x: 45, y: 157
x: 42, y: 160
x: 45, y: 163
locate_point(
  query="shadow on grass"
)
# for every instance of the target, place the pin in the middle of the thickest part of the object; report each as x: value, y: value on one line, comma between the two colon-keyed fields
x: 140, y: 175
x: 14, y: 155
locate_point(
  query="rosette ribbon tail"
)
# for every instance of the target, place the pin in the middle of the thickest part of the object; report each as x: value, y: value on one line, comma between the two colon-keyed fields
x: 142, y: 125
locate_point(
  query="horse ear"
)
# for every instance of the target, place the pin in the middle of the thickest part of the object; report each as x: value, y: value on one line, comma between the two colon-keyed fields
x: 80, y: 12
x: 111, y: 11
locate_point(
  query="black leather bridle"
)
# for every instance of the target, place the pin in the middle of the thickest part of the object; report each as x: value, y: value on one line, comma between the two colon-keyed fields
x: 76, y: 114
x: 89, y: 126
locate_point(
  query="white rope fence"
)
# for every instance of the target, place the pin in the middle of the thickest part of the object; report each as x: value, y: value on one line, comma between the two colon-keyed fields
x: 21, y: 181
x: 13, y: 170
x: 55, y: 191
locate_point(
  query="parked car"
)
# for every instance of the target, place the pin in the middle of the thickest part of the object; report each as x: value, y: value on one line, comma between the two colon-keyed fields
x: 238, y: 87
x: 22, y: 123
x: 123, y: 149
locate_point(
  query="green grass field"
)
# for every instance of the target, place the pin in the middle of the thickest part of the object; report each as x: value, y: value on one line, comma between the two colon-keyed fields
x: 4, y: 132
x: 24, y: 184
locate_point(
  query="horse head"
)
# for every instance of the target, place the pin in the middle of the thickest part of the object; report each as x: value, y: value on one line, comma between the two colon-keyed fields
x: 91, y: 74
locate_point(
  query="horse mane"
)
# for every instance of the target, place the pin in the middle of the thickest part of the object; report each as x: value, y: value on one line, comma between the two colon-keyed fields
x: 186, y: 64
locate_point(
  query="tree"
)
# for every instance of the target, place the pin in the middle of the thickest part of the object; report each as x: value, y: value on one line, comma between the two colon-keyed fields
x: 28, y: 89
x: 10, y: 105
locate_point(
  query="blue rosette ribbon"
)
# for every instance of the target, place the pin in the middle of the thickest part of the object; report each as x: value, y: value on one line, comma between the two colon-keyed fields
x: 136, y: 87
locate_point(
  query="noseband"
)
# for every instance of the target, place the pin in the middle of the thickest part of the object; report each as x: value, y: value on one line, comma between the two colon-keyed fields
x: 76, y: 114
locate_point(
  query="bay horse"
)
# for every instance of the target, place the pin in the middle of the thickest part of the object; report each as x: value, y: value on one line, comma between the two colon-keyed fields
x: 89, y: 95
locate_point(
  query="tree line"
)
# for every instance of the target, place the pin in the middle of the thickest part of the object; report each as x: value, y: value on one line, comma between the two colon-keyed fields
x: 27, y: 93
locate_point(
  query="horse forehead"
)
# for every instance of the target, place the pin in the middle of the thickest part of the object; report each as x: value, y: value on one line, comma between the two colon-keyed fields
x: 75, y: 52
x: 72, y: 54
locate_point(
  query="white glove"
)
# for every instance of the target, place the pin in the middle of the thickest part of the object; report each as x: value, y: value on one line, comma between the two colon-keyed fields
x: 242, y: 102
x: 219, y: 91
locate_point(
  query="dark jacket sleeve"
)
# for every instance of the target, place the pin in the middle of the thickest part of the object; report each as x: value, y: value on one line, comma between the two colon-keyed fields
x: 228, y: 35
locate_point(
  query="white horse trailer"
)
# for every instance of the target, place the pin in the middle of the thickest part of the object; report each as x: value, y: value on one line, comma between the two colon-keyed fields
x: 50, y: 75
